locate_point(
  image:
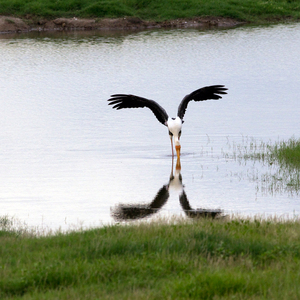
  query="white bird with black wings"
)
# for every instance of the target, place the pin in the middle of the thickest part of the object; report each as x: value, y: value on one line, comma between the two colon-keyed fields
x: 213, y: 92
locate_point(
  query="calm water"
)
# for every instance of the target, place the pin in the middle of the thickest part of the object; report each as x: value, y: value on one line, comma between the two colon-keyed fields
x: 68, y: 159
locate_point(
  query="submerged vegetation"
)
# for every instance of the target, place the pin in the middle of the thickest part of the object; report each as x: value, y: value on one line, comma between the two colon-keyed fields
x: 243, y: 10
x: 203, y: 259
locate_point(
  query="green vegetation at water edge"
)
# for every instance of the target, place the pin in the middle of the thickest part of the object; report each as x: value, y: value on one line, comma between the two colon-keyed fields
x: 157, y: 10
x: 287, y: 153
x: 286, y: 156
x: 203, y: 259
x: 282, y: 159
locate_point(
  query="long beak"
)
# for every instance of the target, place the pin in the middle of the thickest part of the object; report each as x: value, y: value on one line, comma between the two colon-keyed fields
x: 178, y: 165
x: 177, y: 147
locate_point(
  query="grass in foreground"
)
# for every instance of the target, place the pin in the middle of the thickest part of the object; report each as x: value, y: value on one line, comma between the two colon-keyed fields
x: 203, y: 259
x: 244, y: 10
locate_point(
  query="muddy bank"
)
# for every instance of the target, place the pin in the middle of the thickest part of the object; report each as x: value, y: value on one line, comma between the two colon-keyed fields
x: 13, y: 25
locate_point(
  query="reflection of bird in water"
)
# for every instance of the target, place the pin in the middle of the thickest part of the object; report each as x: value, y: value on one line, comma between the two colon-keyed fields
x: 199, y: 212
x: 120, y: 101
x: 138, y: 211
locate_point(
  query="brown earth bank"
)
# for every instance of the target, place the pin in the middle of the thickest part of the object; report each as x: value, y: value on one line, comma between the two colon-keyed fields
x: 10, y: 24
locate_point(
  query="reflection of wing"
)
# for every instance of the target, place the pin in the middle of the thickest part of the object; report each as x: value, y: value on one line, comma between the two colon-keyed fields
x: 199, y: 212
x: 139, y: 211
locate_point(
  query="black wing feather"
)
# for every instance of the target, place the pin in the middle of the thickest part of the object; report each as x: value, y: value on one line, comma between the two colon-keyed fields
x: 120, y: 101
x: 205, y: 93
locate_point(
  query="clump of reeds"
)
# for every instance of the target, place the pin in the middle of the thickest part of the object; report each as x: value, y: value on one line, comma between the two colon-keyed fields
x: 281, y: 159
x: 287, y: 153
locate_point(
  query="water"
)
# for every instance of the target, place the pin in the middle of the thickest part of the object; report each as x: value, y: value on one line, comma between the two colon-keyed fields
x: 68, y: 159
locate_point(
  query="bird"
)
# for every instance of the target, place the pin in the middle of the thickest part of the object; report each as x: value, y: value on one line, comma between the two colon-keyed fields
x: 213, y: 92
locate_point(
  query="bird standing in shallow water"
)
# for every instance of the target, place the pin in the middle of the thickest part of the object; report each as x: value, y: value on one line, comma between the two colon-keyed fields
x: 120, y: 101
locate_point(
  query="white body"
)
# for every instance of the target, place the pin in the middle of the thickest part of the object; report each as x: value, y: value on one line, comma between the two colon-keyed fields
x: 174, y: 126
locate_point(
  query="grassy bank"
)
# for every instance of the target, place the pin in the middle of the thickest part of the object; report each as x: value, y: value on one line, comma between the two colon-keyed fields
x: 204, y: 259
x: 244, y: 10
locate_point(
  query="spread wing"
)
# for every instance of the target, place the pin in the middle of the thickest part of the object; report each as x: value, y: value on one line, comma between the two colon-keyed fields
x: 120, y: 101
x: 205, y: 93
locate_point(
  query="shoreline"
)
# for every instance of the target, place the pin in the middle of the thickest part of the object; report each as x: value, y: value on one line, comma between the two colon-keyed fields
x: 10, y: 24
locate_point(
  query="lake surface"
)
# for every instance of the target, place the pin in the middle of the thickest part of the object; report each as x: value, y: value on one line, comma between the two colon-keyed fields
x: 68, y: 159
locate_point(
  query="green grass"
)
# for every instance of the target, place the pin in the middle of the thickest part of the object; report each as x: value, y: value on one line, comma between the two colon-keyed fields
x: 286, y: 156
x: 287, y: 153
x: 244, y: 10
x: 203, y: 259
x: 284, y: 153
x: 281, y: 160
